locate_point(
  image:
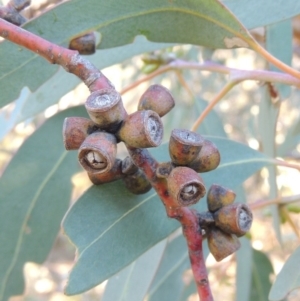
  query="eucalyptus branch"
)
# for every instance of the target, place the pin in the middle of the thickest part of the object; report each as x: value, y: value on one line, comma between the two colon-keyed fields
x: 277, y: 201
x: 187, y: 217
x: 285, y: 164
x: 234, y: 74
x: 70, y: 60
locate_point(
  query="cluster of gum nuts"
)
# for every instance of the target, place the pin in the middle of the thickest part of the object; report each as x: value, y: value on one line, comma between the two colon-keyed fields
x: 96, y: 140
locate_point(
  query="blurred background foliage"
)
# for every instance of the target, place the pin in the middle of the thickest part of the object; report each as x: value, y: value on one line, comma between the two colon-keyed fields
x: 240, y: 116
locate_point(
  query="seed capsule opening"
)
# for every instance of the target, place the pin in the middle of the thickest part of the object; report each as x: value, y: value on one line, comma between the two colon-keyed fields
x: 185, y: 186
x: 95, y: 160
x: 191, y: 192
x: 245, y: 218
x: 154, y: 129
x: 97, y: 154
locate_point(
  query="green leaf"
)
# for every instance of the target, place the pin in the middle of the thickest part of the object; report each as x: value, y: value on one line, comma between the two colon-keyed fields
x: 266, y: 12
x: 168, y: 283
x: 288, y: 278
x: 199, y: 22
x: 35, y: 193
x: 111, y: 227
x: 244, y: 270
x: 132, y: 283
x: 279, y: 42
x: 261, y: 272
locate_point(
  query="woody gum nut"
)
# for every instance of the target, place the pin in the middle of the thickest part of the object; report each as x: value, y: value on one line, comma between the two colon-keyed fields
x: 105, y: 108
x: 97, y: 153
x: 85, y: 44
x: 208, y: 159
x: 158, y: 99
x: 185, y: 186
x: 234, y: 219
x: 221, y: 244
x: 137, y: 183
x: 219, y: 196
x: 184, y: 146
x: 75, y: 130
x: 112, y: 175
x: 142, y: 129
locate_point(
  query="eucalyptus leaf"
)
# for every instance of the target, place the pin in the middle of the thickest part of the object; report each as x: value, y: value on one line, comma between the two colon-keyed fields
x: 288, y: 278
x: 133, y: 282
x: 244, y: 257
x: 261, y: 271
x: 258, y: 13
x: 199, y: 22
x: 168, y: 283
x: 111, y: 227
x: 35, y: 194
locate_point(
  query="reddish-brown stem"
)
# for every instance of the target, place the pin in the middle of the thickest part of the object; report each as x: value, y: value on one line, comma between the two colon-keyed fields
x: 70, y: 60
x: 187, y: 217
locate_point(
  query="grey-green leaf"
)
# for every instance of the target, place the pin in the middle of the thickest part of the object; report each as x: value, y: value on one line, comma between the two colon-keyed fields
x: 261, y: 272
x: 259, y: 13
x: 288, y: 278
x: 133, y: 282
x: 168, y: 283
x: 35, y: 193
x: 244, y: 257
x: 111, y: 228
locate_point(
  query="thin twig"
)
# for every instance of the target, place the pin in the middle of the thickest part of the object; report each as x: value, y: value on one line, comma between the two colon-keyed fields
x: 235, y: 74
x: 187, y: 217
x: 277, y: 201
x: 70, y: 60
x: 212, y: 104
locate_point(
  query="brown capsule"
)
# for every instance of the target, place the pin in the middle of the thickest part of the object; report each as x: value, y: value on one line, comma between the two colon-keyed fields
x: 184, y: 146
x: 75, y: 130
x: 208, y: 158
x: 219, y: 196
x: 158, y: 99
x: 221, y: 244
x: 234, y: 219
x: 105, y: 108
x: 97, y: 153
x: 185, y: 186
x: 142, y: 129
x: 111, y: 175
x: 137, y: 183
x: 85, y: 44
